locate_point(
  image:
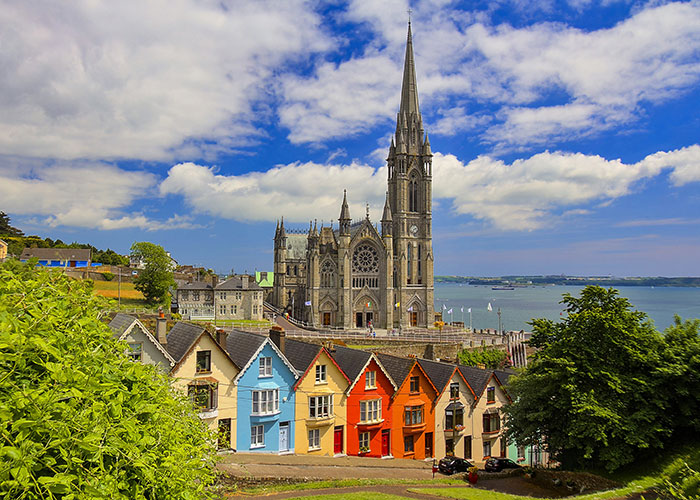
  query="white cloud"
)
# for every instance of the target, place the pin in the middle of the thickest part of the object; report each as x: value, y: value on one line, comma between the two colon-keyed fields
x: 144, y: 80
x: 88, y: 195
x: 524, y: 195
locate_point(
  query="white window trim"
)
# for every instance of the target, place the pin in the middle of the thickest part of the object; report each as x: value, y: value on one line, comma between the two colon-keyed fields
x: 321, y: 374
x: 371, y: 382
x: 366, y: 407
x: 265, y: 367
x: 315, y: 441
x: 318, y: 404
x: 257, y: 398
x: 253, y: 433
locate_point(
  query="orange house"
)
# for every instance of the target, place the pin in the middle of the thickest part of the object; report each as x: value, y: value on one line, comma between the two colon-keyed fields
x: 412, y: 408
x: 369, y: 415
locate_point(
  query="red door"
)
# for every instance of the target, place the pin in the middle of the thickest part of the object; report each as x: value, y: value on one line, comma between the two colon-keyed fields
x: 338, y: 440
x: 385, y: 443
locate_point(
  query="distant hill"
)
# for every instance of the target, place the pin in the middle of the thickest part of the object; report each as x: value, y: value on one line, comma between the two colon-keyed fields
x: 606, y: 281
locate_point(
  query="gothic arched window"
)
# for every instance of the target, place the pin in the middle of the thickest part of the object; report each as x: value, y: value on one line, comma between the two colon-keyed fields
x: 413, y: 194
x: 327, y: 274
x: 365, y: 267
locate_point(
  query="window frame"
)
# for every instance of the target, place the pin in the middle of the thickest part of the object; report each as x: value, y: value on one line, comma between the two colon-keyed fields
x: 454, y: 390
x: 414, y: 384
x: 265, y: 402
x: 265, y: 367
x: 364, y: 441
x: 194, y: 392
x: 413, y: 415
x: 257, y: 436
x: 490, y: 395
x: 321, y: 374
x: 203, y: 362
x: 370, y: 411
x: 406, y: 448
x: 371, y: 379
x: 321, y: 407
x: 314, y: 436
x: 135, y: 351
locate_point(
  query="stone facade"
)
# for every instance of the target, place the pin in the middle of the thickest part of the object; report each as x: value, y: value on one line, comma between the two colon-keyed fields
x: 357, y: 274
x: 238, y: 298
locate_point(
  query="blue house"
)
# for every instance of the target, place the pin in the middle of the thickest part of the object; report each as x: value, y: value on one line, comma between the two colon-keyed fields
x: 265, y: 396
x: 58, y: 257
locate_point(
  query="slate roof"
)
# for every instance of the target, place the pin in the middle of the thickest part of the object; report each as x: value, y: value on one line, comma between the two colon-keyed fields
x: 439, y: 373
x: 241, y: 346
x: 351, y: 361
x: 181, y: 338
x: 56, y: 253
x: 236, y: 283
x: 196, y: 285
x: 300, y: 354
x: 476, y: 378
x: 120, y: 323
x: 504, y: 375
x: 397, y: 368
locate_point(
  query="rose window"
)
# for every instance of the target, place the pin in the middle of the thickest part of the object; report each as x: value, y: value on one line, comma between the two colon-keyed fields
x: 365, y: 260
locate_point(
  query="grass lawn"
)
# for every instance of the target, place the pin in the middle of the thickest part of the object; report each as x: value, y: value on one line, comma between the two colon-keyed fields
x: 110, y: 289
x: 362, y: 495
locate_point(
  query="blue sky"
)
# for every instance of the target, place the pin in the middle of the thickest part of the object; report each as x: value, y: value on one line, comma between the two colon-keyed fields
x: 566, y: 133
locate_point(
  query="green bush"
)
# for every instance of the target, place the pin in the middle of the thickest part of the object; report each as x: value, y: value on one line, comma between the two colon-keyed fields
x: 108, y: 276
x: 78, y: 419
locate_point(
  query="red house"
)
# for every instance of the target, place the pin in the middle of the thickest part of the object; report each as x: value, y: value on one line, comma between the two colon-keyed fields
x: 369, y: 419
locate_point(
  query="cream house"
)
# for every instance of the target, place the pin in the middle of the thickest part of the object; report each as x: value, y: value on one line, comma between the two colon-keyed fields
x: 205, y: 372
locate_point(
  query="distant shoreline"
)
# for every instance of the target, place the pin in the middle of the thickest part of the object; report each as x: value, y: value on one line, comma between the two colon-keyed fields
x: 606, y: 281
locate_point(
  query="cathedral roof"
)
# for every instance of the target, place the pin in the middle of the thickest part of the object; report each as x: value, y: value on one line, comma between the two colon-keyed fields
x: 409, y: 89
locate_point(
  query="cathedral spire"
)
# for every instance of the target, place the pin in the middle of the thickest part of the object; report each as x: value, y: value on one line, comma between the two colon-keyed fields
x: 344, y: 219
x: 409, y: 90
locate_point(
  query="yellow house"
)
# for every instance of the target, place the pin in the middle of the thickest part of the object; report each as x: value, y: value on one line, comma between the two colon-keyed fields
x: 205, y: 372
x: 3, y: 250
x: 483, y: 434
x: 320, y: 411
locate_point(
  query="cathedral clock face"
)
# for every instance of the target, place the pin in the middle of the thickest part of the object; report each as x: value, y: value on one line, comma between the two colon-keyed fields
x: 414, y: 229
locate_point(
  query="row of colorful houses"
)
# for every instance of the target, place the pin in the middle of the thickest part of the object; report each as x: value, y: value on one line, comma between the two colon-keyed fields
x: 272, y: 394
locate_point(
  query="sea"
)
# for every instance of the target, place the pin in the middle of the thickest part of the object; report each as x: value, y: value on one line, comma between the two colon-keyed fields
x: 521, y: 305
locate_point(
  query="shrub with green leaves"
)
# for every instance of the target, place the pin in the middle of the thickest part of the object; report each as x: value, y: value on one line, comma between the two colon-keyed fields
x: 78, y: 419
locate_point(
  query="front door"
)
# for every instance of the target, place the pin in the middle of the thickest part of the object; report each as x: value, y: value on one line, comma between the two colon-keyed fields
x: 468, y: 447
x: 385, y: 443
x: 224, y: 433
x: 326, y: 318
x: 358, y: 320
x: 338, y: 440
x: 428, y: 444
x: 284, y: 436
x: 414, y: 319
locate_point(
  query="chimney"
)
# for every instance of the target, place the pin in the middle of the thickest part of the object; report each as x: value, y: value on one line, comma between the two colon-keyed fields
x: 221, y: 336
x: 430, y: 352
x: 244, y: 281
x: 160, y: 327
x: 277, y: 336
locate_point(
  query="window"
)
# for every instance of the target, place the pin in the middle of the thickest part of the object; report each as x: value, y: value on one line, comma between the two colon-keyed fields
x: 234, y: 309
x: 320, y: 406
x: 413, y: 415
x: 265, y: 369
x: 266, y: 402
x: 183, y: 295
x: 135, y: 351
x: 449, y: 446
x: 413, y: 194
x: 371, y: 380
x: 491, y: 395
x: 203, y: 396
x: 257, y: 436
x: 238, y: 295
x: 222, y: 309
x: 371, y: 411
x: 224, y: 434
x: 222, y: 295
x: 487, y: 449
x: 314, y: 439
x: 414, y: 384
x: 454, y: 390
x: 255, y: 309
x: 195, y: 296
x: 364, y: 441
x: 521, y: 452
x: 327, y: 274
x: 453, y: 417
x: 408, y: 444
x: 492, y: 422
x: 320, y: 374
x: 203, y: 361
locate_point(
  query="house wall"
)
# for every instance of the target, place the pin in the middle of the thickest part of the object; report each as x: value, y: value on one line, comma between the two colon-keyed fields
x: 196, y: 304
x: 282, y: 379
x: 223, y: 370
x: 476, y: 429
x: 3, y: 250
x: 239, y: 304
x: 336, y: 385
x: 404, y: 398
x: 150, y: 355
x: 466, y: 398
x: 383, y: 391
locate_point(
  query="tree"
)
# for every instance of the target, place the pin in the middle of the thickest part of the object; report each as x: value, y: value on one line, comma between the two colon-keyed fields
x: 78, y: 419
x: 593, y: 390
x: 156, y: 278
x: 489, y: 357
x: 6, y: 228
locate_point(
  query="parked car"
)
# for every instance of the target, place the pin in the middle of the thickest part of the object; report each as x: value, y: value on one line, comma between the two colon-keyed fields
x: 498, y: 464
x: 450, y: 465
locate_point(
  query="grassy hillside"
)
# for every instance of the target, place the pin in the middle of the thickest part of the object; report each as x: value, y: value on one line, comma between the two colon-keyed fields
x: 130, y: 297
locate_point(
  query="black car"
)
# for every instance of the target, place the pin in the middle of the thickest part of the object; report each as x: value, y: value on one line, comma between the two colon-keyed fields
x: 450, y: 465
x: 498, y: 464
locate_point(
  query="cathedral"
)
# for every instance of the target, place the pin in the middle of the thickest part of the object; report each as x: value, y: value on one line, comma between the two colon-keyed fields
x: 357, y: 274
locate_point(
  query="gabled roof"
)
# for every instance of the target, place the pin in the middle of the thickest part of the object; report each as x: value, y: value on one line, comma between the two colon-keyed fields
x: 181, y: 338
x: 303, y: 355
x: 398, y: 367
x: 236, y: 283
x: 122, y: 324
x: 244, y: 347
x: 266, y: 281
x: 439, y: 373
x: 196, y: 285
x: 56, y: 253
x: 502, y: 376
x: 354, y: 362
x: 477, y: 378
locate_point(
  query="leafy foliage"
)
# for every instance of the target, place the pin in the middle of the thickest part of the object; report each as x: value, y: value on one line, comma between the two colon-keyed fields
x: 156, y: 278
x: 489, y: 357
x: 595, y: 389
x: 79, y: 420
